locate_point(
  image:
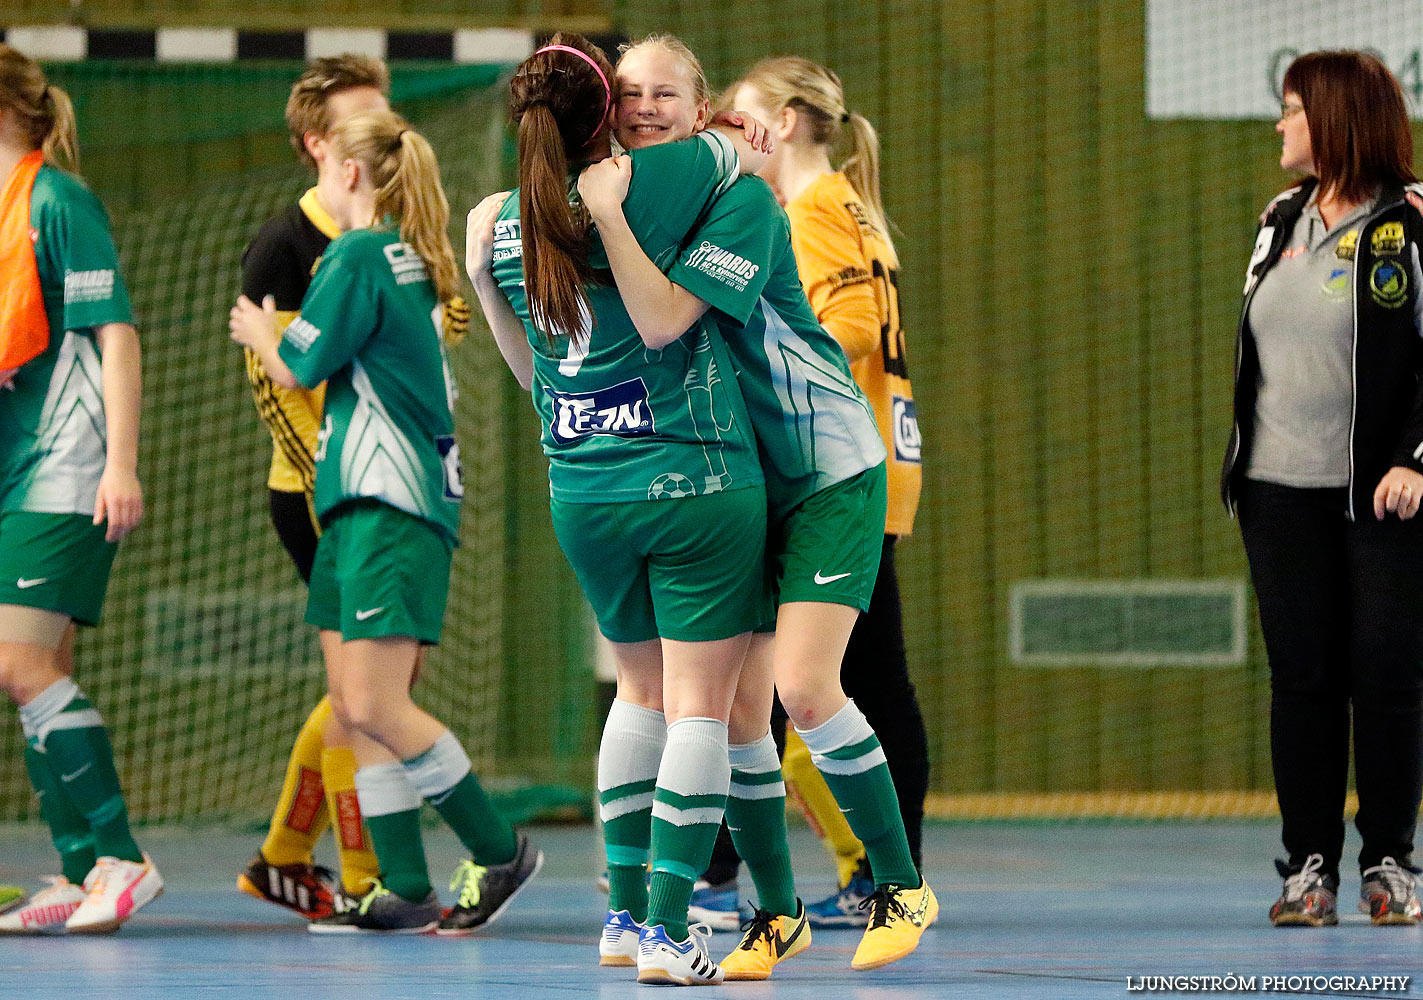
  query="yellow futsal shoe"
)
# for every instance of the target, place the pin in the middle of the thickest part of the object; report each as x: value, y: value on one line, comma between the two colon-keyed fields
x: 768, y: 941
x: 898, y: 917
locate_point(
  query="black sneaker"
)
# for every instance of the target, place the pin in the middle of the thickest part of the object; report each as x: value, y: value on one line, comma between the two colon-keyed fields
x: 1389, y: 894
x: 485, y: 892
x: 1309, y: 896
x: 305, y: 888
x: 381, y: 911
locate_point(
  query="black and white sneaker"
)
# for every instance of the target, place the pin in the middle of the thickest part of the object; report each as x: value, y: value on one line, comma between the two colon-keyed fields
x: 485, y: 891
x: 664, y: 962
x: 1389, y: 894
x: 303, y: 887
x: 380, y: 911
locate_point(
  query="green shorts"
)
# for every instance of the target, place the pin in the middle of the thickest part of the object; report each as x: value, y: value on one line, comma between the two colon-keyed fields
x: 828, y: 547
x: 688, y: 569
x: 55, y: 562
x: 379, y: 572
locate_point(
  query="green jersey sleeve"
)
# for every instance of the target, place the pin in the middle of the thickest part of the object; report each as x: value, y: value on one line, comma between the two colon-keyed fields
x: 672, y: 187
x: 337, y: 315
x: 729, y: 257
x: 74, y: 246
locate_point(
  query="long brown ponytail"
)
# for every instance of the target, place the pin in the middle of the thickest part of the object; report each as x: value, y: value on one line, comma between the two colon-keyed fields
x: 43, y: 110
x: 406, y: 176
x: 559, y: 103
x: 817, y: 94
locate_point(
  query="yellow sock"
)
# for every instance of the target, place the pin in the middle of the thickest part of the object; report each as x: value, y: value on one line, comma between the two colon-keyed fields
x: 358, y: 857
x: 806, y: 787
x: 300, y: 816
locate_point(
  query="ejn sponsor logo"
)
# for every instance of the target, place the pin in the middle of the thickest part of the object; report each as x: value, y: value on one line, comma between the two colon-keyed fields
x: 621, y: 410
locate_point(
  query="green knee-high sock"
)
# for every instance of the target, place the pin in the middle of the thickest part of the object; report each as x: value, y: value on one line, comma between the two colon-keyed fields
x: 627, y: 889
x: 483, y: 830
x: 75, y: 745
x: 628, y: 759
x: 687, y: 808
x: 392, y: 811
x: 847, y: 752
x: 67, y: 826
x: 442, y: 775
x: 756, y: 816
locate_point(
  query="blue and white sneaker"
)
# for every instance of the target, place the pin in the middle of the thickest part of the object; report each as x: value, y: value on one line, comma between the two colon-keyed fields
x: 842, y: 908
x: 618, y: 945
x: 717, y: 906
x: 664, y: 962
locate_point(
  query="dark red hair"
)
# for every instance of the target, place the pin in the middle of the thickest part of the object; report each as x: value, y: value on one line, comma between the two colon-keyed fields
x: 1358, y: 122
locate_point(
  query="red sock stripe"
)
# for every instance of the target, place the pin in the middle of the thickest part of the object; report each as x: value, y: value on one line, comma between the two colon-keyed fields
x: 306, y: 803
x: 348, y: 821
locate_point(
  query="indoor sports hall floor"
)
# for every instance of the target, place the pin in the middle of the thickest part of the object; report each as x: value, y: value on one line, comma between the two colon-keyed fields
x: 1029, y: 910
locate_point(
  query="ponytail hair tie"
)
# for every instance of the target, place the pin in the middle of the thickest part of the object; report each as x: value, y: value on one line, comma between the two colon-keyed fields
x: 844, y: 117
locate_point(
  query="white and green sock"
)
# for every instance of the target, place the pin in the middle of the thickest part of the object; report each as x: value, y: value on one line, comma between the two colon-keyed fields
x: 442, y: 774
x: 71, y: 738
x: 68, y: 828
x: 756, y: 817
x: 391, y: 807
x: 847, y: 752
x: 687, y: 807
x: 628, y: 761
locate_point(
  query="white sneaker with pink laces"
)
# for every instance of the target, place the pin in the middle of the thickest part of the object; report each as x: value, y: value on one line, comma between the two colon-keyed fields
x: 46, y: 911
x: 117, y: 890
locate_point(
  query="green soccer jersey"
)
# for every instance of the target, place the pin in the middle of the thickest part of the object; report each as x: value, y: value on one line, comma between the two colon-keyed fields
x: 813, y: 423
x: 370, y: 328
x: 52, y: 425
x: 622, y: 422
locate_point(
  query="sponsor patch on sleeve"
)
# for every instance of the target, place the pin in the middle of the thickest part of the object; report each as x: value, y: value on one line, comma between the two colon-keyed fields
x: 508, y: 240
x: 851, y: 275
x: 730, y: 269
x: 405, y: 264
x: 88, y: 286
x: 621, y: 410
x: 301, y: 334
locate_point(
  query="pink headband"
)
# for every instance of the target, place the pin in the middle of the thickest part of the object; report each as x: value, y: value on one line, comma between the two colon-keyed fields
x: 607, y: 91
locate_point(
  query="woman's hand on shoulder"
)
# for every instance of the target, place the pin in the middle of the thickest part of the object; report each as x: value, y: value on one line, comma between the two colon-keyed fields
x: 757, y: 134
x: 251, y: 324
x: 479, y: 234
x: 1399, y: 492
x: 604, y: 185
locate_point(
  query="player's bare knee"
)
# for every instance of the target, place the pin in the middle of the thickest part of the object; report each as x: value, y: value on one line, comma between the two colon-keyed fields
x: 340, y: 720
x: 809, y: 703
x: 26, y: 670
x: 750, y: 718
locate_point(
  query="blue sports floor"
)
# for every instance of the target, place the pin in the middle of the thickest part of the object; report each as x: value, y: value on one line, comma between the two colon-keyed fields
x: 1055, y: 910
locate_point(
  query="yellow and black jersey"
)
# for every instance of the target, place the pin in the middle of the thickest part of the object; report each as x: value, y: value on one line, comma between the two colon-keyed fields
x: 278, y: 262
x: 851, y: 277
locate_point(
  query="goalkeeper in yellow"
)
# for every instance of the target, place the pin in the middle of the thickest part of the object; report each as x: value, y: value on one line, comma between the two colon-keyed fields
x: 320, y: 784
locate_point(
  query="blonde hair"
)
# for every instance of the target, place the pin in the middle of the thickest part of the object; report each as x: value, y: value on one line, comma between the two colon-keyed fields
x: 44, y: 111
x: 308, y: 107
x: 406, y: 177
x: 674, y: 46
x: 817, y: 94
